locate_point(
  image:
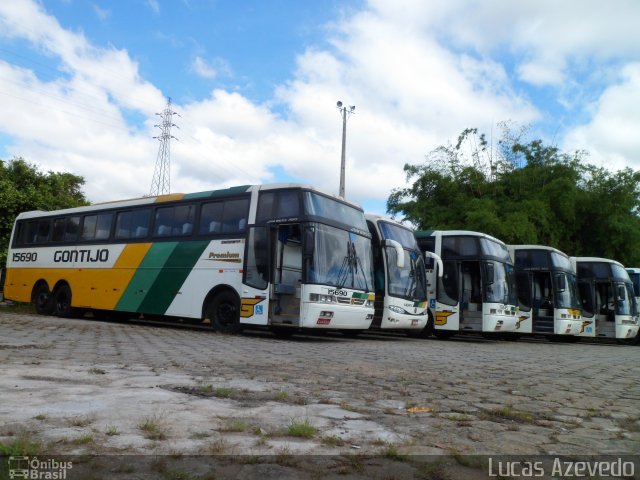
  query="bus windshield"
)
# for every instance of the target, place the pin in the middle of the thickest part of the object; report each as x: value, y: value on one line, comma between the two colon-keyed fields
x: 409, y: 282
x: 500, y: 283
x: 400, y: 234
x: 566, y: 287
x: 321, y: 206
x: 624, y: 298
x: 560, y: 261
x: 341, y: 259
x: 635, y: 279
x: 495, y: 249
x: 619, y: 272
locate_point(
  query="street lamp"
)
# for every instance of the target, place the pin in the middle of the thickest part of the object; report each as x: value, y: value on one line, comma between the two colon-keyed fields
x: 344, y: 112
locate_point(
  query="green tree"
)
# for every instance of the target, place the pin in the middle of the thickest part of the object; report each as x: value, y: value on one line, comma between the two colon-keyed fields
x: 23, y: 187
x: 525, y: 192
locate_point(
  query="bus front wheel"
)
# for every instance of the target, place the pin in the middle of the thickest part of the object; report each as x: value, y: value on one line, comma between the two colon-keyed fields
x: 41, y: 299
x: 224, y: 313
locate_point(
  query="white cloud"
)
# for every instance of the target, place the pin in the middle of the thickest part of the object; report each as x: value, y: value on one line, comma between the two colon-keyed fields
x: 611, y: 137
x: 202, y: 68
x: 103, y: 14
x: 418, y: 72
x: 154, y: 6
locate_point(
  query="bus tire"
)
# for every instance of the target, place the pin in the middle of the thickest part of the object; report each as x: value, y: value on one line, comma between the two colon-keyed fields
x: 223, y: 310
x: 62, y: 302
x: 41, y: 299
x: 283, y: 332
x: 443, y: 334
x: 351, y: 333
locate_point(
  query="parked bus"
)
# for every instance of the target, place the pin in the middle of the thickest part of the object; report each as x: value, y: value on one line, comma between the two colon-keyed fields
x: 399, y: 276
x: 634, y: 276
x: 285, y: 255
x: 609, y: 308
x: 477, y: 290
x: 547, y: 291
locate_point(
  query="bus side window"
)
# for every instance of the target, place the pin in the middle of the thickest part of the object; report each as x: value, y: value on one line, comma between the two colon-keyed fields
x: 234, y: 218
x: 211, y: 218
x: 65, y: 229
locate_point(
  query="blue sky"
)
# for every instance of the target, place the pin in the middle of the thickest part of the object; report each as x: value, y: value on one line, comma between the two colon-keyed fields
x: 256, y: 83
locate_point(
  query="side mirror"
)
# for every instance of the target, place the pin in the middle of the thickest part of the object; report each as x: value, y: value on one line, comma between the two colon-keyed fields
x: 561, y: 282
x: 438, y: 261
x: 399, y: 251
x: 622, y: 293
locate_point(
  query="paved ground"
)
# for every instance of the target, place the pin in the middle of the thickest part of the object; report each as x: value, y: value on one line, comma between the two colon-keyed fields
x: 402, y: 407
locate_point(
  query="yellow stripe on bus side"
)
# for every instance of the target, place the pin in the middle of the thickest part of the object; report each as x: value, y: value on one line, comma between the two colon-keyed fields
x: 102, y: 288
x: 170, y: 196
x: 90, y: 287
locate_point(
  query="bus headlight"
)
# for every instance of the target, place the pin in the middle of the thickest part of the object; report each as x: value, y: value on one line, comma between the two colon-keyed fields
x: 322, y: 298
x: 396, y: 309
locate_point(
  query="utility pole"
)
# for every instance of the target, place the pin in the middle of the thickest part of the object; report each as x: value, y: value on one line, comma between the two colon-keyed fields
x: 344, y: 113
x: 161, y: 182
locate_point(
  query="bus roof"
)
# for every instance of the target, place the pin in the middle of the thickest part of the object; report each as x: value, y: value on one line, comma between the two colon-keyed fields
x: 596, y: 259
x: 536, y: 247
x: 450, y: 233
x: 210, y: 194
x: 376, y: 218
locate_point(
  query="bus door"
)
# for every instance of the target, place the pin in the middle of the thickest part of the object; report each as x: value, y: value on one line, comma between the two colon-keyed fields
x: 470, y: 296
x: 447, y: 298
x: 606, y: 309
x: 586, y: 291
x: 543, y: 304
x: 524, y: 285
x: 287, y: 274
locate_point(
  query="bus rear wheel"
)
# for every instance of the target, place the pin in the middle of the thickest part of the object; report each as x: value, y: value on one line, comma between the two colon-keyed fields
x: 62, y: 302
x: 224, y: 313
x: 41, y: 299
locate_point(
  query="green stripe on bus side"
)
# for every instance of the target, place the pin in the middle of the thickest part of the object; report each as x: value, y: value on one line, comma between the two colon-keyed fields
x: 172, y: 276
x: 225, y: 192
x: 145, y: 276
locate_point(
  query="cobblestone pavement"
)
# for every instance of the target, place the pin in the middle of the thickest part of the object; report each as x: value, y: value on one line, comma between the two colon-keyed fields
x: 72, y: 386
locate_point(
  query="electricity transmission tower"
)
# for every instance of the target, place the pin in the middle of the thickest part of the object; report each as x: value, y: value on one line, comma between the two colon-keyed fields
x: 161, y: 183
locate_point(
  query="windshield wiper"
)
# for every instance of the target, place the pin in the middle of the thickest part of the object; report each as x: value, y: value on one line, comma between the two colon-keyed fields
x: 349, y: 268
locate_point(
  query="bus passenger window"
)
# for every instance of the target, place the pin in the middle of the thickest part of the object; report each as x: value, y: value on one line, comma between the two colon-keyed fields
x: 211, y: 218
x: 36, y: 231
x: 132, y: 224
x: 235, y: 214
x: 65, y: 229
x: 96, y: 227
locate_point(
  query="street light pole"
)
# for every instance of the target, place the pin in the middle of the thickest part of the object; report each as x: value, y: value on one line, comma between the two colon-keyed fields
x: 344, y: 112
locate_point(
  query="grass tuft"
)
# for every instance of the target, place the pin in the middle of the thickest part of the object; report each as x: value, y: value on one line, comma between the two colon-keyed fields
x: 153, y: 428
x: 301, y: 429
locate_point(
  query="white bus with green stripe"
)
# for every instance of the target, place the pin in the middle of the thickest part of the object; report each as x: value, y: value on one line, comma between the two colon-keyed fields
x: 476, y: 290
x: 609, y: 308
x: 400, y: 277
x: 285, y: 256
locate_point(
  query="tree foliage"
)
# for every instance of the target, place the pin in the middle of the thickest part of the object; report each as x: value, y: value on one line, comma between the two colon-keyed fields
x: 524, y: 193
x: 23, y: 188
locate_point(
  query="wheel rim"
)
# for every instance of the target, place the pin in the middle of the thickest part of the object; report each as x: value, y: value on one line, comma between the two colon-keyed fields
x: 42, y: 300
x: 226, y: 314
x: 62, y: 301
